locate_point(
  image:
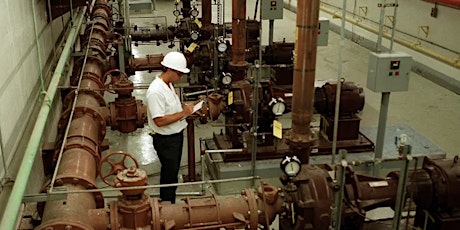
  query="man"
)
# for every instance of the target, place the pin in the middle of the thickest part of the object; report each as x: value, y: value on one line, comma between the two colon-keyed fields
x: 166, y: 119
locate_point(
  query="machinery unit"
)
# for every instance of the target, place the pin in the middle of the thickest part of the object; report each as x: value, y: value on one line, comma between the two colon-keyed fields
x: 389, y: 72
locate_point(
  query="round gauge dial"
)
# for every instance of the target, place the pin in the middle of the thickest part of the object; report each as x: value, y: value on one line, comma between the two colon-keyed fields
x: 291, y: 166
x: 194, y: 35
x: 226, y: 79
x: 194, y: 12
x: 176, y: 13
x: 222, y: 46
x: 278, y: 106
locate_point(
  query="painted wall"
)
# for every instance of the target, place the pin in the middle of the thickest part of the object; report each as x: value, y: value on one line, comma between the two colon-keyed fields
x: 411, y: 16
x: 23, y: 57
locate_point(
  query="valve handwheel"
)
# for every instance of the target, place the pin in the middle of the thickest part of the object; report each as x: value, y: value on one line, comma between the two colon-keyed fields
x: 113, y: 163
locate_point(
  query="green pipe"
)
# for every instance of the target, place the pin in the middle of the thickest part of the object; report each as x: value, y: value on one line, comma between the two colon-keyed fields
x: 12, y: 209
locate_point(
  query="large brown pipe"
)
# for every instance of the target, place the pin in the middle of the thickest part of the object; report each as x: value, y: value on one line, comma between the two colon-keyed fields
x: 206, y: 13
x: 78, y: 166
x: 238, y: 32
x: 304, y: 77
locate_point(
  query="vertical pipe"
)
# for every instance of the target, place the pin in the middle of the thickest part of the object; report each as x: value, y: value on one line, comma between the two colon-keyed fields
x: 255, y: 110
x: 394, y: 26
x: 339, y: 83
x: 2, y: 152
x: 238, y: 32
x: 401, y: 198
x: 304, y: 77
x: 206, y: 12
x: 14, y: 202
x: 191, y: 149
x: 382, y: 124
x: 37, y: 43
x: 271, y: 25
x: 338, y: 195
x: 381, y: 22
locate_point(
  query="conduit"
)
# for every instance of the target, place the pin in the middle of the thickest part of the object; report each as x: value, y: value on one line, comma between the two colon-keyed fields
x: 14, y: 202
x: 454, y: 62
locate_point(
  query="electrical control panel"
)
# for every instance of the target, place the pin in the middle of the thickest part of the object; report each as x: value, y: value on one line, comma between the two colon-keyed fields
x: 272, y: 9
x: 389, y: 72
x: 323, y: 31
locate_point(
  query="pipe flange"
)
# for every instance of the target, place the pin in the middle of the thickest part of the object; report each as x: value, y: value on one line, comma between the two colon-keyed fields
x: 71, y: 179
x: 85, y: 146
x: 253, y: 214
x: 155, y: 206
x: 71, y: 96
x: 85, y: 111
x: 64, y: 224
x: 79, y: 112
x: 114, y: 222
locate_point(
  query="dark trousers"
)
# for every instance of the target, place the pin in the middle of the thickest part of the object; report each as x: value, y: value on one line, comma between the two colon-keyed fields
x: 169, y: 150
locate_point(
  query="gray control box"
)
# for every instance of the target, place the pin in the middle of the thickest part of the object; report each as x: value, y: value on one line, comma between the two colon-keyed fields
x: 272, y: 9
x: 389, y: 72
x: 323, y: 31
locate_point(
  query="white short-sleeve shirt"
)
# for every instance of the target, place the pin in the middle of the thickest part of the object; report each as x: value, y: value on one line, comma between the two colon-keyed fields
x: 162, y: 100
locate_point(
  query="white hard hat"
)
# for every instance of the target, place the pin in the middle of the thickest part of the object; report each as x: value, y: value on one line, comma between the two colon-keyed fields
x: 176, y: 61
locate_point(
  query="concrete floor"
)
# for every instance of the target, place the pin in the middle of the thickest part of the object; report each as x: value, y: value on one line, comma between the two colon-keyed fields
x: 428, y: 110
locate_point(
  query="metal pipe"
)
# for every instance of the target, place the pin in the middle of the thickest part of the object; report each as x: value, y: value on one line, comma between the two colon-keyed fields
x: 191, y: 149
x: 394, y: 26
x: 381, y: 23
x: 238, y: 32
x: 159, y: 185
x: 382, y: 125
x: 37, y: 44
x: 304, y: 77
x: 339, y: 83
x: 206, y: 13
x: 12, y: 209
x: 338, y: 194
x: 401, y: 197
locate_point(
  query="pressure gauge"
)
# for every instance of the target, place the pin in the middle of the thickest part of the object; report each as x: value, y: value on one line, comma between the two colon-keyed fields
x: 291, y: 166
x: 194, y: 12
x: 278, y: 106
x: 227, y: 78
x: 222, y: 46
x: 194, y: 35
x: 176, y: 13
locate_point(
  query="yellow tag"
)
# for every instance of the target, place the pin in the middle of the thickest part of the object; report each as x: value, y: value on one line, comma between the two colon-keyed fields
x: 177, y: 1
x: 277, y: 129
x: 230, y: 98
x: 192, y: 47
x: 198, y: 23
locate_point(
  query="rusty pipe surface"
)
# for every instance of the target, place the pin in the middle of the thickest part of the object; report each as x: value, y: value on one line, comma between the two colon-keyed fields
x: 191, y: 149
x: 149, y: 62
x: 304, y: 77
x: 82, y: 139
x: 206, y: 212
x: 206, y: 13
x: 238, y: 32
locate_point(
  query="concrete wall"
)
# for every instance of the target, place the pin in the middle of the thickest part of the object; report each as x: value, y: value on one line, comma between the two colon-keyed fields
x: 411, y: 15
x: 23, y: 56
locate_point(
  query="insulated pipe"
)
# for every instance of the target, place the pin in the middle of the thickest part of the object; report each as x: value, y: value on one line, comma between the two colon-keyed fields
x: 14, y: 202
x: 304, y: 78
